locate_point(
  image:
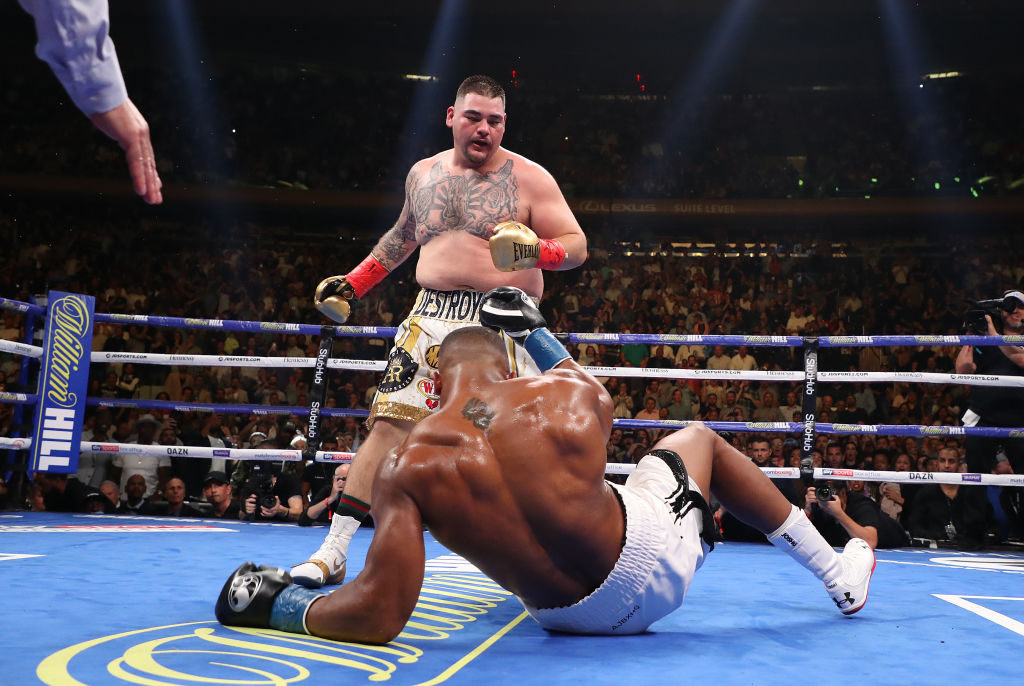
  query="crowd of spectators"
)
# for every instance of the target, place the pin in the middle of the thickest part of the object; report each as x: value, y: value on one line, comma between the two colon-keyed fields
x: 271, y: 126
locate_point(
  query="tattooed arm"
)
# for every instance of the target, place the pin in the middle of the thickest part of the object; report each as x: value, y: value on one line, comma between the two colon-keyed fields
x: 335, y: 294
x: 395, y: 246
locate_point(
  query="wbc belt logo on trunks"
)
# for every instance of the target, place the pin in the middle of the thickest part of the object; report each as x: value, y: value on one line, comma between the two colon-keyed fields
x: 453, y: 306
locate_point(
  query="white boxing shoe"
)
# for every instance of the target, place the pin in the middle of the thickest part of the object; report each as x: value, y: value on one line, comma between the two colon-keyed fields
x: 850, y: 590
x: 325, y: 567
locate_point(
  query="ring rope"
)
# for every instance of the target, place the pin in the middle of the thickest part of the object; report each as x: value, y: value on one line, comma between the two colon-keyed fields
x: 792, y: 341
x: 960, y: 478
x: 178, y: 406
x: 234, y: 361
x: 834, y: 377
x: 18, y: 306
x: 820, y: 473
x: 637, y: 372
x: 915, y: 430
x: 242, y: 325
x: 677, y: 339
x: 615, y: 338
x: 20, y: 349
x: 263, y: 454
x: 19, y: 398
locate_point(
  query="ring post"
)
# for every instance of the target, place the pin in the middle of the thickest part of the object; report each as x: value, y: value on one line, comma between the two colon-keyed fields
x: 809, y: 405
x: 63, y: 383
x: 318, y: 394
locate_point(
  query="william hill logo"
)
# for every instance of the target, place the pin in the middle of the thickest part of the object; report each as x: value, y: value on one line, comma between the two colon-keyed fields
x: 71, y: 319
x: 459, y: 614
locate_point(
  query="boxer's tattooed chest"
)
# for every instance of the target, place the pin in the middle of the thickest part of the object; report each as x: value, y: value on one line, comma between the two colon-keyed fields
x: 478, y: 412
x: 442, y: 201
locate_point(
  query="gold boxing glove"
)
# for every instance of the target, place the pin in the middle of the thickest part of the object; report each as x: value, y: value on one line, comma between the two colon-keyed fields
x: 334, y: 298
x: 336, y: 295
x: 514, y: 247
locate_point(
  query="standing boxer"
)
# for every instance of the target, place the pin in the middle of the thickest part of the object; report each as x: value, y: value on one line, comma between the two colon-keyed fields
x: 468, y: 209
x: 509, y: 474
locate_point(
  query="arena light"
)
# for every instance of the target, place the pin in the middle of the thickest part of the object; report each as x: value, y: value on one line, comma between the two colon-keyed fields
x: 715, y: 57
x: 440, y: 62
x: 186, y: 48
x: 942, y: 75
x: 907, y: 52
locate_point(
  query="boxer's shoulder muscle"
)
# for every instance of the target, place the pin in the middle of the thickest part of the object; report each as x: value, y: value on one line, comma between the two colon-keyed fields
x: 557, y: 394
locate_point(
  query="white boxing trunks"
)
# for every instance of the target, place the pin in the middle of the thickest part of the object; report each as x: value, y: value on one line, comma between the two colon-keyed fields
x: 660, y: 555
x: 407, y: 390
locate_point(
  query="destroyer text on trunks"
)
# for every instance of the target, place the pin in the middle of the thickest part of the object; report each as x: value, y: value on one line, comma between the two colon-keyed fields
x: 458, y: 306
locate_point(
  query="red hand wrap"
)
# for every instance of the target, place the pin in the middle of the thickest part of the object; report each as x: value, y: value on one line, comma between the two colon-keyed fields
x: 552, y: 254
x: 366, y: 275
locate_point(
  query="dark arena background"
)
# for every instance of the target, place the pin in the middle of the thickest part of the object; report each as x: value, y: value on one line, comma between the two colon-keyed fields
x: 764, y: 174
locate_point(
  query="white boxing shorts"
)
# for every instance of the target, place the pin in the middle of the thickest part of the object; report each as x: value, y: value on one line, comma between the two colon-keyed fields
x: 663, y: 549
x: 406, y: 391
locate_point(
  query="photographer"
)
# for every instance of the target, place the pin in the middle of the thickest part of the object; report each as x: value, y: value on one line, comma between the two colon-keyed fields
x: 845, y: 515
x: 319, y: 510
x: 268, y: 494
x: 994, y: 405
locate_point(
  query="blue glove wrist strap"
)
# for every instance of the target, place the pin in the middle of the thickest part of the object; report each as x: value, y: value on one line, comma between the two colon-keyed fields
x: 288, y: 612
x: 545, y: 349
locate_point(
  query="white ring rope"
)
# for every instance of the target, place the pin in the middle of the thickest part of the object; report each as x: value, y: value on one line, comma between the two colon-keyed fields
x: 20, y: 349
x: 639, y: 372
x: 234, y: 361
x: 269, y: 455
x: 835, y: 377
x: 822, y: 473
x: 263, y: 454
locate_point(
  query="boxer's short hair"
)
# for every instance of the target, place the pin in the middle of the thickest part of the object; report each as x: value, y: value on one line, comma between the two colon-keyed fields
x: 482, y: 85
x: 470, y: 336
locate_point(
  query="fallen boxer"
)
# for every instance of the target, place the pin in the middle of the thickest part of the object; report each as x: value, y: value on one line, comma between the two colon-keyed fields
x: 509, y: 475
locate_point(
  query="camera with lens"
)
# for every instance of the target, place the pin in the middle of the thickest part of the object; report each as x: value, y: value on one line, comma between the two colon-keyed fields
x: 824, y: 492
x: 259, y: 482
x: 974, y: 320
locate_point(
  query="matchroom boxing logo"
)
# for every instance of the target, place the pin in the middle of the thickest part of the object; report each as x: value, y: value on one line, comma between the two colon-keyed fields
x: 459, y: 614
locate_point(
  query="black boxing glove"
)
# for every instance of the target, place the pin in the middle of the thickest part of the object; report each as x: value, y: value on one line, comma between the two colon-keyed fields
x: 511, y: 311
x: 264, y: 597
